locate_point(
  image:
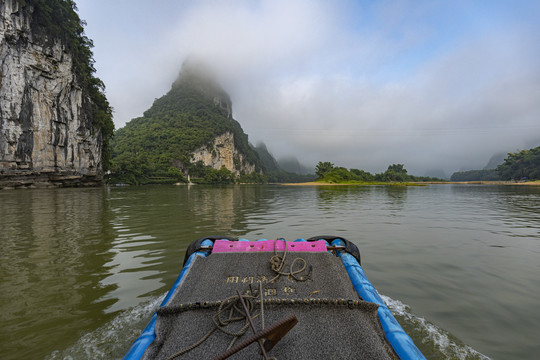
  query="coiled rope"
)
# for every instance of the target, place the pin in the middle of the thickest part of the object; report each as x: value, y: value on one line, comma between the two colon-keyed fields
x: 277, y: 263
x: 232, y: 305
x: 236, y: 313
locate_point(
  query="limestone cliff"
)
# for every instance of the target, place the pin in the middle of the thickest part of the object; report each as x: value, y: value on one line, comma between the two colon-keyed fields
x: 190, y: 131
x: 48, y: 136
x: 222, y: 152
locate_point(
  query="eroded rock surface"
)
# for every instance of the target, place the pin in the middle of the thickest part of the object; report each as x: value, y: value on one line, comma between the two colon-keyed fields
x: 46, y: 132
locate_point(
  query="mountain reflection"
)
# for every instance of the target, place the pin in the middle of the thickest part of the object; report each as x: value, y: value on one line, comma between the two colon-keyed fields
x: 154, y: 225
x: 389, y: 196
x: 55, y: 244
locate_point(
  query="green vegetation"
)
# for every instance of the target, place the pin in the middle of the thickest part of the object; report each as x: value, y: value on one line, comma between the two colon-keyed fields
x: 323, y: 168
x: 476, y: 175
x: 521, y: 165
x: 157, y: 147
x: 159, y: 144
x: 396, y: 173
x: 57, y: 20
x: 221, y: 176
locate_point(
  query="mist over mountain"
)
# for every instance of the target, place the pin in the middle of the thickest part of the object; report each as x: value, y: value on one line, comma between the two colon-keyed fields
x: 496, y: 160
x: 266, y: 157
x: 437, y: 173
x: 293, y: 165
x: 188, y: 132
x: 359, y: 83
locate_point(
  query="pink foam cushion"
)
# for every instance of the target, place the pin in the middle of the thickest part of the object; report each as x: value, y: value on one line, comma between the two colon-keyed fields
x: 268, y: 245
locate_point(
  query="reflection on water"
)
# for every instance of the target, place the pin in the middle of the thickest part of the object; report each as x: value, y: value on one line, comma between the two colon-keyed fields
x: 54, y: 249
x: 363, y: 198
x: 154, y: 225
x: 80, y: 268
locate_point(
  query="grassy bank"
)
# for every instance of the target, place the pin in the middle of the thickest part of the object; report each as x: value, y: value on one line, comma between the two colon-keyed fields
x: 358, y: 183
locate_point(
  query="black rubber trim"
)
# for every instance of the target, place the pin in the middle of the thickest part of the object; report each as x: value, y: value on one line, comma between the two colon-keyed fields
x: 349, y: 246
x: 196, y: 245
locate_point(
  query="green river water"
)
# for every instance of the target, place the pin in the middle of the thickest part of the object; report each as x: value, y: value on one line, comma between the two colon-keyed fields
x: 82, y: 270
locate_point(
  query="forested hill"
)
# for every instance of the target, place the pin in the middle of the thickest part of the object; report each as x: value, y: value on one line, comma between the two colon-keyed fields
x: 522, y: 165
x: 189, y: 131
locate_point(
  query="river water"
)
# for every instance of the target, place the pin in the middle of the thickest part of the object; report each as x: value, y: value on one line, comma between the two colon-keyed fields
x: 82, y: 270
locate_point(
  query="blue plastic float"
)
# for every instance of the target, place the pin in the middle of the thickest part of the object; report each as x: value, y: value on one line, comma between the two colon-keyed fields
x: 402, y: 344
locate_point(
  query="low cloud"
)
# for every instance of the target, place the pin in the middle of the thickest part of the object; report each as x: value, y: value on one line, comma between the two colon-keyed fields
x: 361, y: 86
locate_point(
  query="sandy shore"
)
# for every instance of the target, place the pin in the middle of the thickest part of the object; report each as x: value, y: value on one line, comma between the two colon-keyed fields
x: 311, y: 183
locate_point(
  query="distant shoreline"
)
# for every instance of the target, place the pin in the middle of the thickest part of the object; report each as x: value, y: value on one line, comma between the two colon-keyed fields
x: 320, y: 183
x: 529, y: 183
x: 310, y: 183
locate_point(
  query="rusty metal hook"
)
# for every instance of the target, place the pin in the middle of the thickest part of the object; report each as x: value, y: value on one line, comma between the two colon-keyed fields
x: 272, y: 334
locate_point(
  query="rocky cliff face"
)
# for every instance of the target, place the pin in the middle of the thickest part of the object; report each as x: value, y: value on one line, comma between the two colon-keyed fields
x: 46, y: 135
x: 223, y: 153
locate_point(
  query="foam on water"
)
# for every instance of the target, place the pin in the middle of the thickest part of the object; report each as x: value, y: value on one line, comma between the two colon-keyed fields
x: 112, y: 340
x: 434, y: 342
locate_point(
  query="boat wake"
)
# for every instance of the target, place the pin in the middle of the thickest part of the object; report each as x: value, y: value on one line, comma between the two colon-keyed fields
x: 433, y: 342
x: 112, y: 340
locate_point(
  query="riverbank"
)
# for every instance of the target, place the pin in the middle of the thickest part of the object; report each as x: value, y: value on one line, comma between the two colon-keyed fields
x: 531, y: 183
x: 356, y: 183
x: 321, y: 183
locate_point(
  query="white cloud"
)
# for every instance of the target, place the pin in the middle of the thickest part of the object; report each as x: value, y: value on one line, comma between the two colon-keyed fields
x: 362, y: 86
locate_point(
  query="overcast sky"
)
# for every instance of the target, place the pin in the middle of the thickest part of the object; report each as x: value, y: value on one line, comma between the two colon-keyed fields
x: 363, y: 84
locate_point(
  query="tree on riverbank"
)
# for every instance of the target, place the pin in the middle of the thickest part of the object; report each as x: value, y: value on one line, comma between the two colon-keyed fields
x: 523, y: 164
x: 323, y: 168
x: 327, y: 172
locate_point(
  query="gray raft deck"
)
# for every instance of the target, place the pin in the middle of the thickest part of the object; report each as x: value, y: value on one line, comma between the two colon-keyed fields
x: 348, y: 328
